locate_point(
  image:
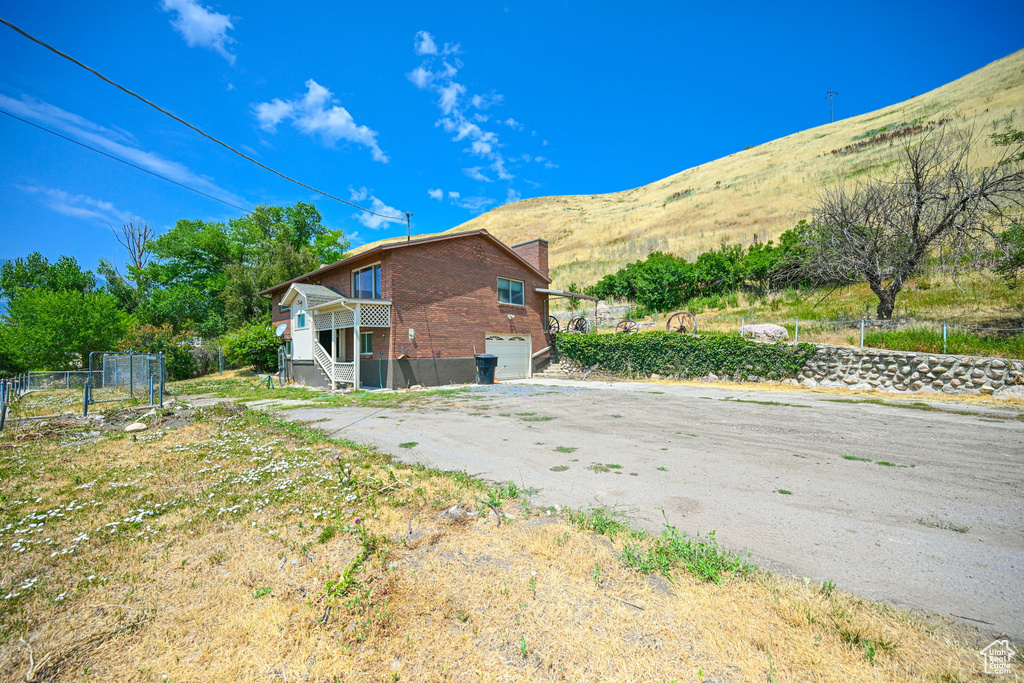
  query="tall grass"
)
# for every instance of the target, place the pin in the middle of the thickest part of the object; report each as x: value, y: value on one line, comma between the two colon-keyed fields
x: 929, y: 340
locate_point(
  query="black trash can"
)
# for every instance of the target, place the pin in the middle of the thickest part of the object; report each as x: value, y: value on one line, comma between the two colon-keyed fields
x: 485, y: 366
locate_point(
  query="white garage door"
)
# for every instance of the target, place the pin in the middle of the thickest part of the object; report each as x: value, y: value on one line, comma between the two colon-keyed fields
x: 513, y: 352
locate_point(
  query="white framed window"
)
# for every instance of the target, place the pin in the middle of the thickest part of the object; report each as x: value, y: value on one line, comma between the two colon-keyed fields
x: 366, y: 343
x: 510, y: 291
x: 366, y: 282
x: 300, y: 321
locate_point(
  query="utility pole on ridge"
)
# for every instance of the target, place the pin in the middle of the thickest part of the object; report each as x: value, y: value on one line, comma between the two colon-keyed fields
x: 831, y: 113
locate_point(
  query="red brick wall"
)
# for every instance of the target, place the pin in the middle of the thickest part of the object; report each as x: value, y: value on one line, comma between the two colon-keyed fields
x: 535, y: 252
x: 447, y: 291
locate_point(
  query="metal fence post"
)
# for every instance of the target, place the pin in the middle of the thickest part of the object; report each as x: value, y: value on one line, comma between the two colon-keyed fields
x: 862, y: 333
x: 743, y: 324
x: 796, y: 335
x: 131, y: 374
x: 944, y: 337
x: 85, y: 400
x: 220, y: 361
x: 151, y: 395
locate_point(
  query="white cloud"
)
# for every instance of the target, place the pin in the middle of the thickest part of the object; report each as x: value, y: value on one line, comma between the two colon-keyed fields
x: 316, y: 113
x: 512, y: 123
x: 481, y: 118
x: 499, y: 167
x: 449, y: 96
x: 424, y: 44
x: 512, y: 196
x: 357, y: 194
x: 437, y: 194
x: 81, y: 206
x: 454, y: 195
x: 480, y: 148
x: 420, y: 77
x: 269, y: 114
x: 119, y: 144
x: 485, y: 101
x: 200, y: 26
x: 377, y: 206
x: 475, y: 174
x: 474, y: 204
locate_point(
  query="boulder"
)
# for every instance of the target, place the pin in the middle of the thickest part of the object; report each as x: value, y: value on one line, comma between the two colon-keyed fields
x: 766, y: 332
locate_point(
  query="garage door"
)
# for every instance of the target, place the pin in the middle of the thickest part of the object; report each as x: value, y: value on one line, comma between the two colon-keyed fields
x: 513, y: 352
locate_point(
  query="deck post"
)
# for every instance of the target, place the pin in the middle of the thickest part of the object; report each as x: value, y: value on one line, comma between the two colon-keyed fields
x: 334, y: 353
x: 356, y: 346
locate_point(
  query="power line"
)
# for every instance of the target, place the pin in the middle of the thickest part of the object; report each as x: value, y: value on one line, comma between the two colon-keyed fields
x: 126, y: 163
x: 186, y: 123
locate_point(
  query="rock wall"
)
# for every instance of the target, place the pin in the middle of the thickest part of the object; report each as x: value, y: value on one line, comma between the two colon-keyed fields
x: 904, y: 371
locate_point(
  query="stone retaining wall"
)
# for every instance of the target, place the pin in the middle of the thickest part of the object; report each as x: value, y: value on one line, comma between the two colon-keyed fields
x: 904, y: 371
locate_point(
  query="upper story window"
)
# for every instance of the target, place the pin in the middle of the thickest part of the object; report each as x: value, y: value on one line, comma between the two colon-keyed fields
x: 366, y: 283
x: 510, y: 291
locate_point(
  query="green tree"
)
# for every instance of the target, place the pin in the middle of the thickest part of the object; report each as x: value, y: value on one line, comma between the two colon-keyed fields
x: 36, y: 272
x: 57, y: 330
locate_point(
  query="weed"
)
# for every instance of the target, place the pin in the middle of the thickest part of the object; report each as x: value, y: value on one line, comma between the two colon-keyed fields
x: 602, y: 520
x: 217, y: 557
x: 616, y: 415
x: 260, y: 592
x: 525, y: 414
x: 328, y: 532
x: 701, y: 556
x: 943, y: 524
x: 504, y: 414
x: 785, y: 492
x: 856, y: 458
x: 522, y: 646
x: 663, y: 469
x: 765, y: 403
x: 409, y: 444
x: 596, y: 574
x: 797, y: 455
x: 827, y: 587
x: 542, y: 418
x: 613, y: 466
x: 565, y: 449
x: 559, y: 468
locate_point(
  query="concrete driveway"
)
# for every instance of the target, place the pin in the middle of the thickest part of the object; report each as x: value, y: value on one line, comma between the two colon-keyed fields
x: 923, y: 509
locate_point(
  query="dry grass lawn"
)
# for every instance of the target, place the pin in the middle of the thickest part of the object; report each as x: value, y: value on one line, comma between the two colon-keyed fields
x: 226, y: 546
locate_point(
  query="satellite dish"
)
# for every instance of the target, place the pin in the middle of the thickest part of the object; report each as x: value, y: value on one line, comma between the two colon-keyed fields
x: 280, y: 329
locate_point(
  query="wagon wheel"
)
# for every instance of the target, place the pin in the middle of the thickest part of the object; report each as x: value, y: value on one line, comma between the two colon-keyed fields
x: 553, y: 326
x: 578, y: 325
x: 683, y: 321
x: 628, y: 327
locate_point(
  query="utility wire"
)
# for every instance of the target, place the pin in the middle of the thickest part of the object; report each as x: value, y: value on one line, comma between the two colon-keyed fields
x: 186, y: 123
x: 126, y: 163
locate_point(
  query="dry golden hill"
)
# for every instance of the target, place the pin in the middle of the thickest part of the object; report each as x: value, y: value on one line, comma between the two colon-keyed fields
x: 756, y: 193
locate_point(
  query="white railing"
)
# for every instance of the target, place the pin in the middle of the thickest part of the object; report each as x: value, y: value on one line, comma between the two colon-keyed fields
x: 323, y: 357
x: 336, y: 372
x: 344, y: 372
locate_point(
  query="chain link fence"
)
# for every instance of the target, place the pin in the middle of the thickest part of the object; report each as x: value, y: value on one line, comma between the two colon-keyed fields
x: 125, y: 376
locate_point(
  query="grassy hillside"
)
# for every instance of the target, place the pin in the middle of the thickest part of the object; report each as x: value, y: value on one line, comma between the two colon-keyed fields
x: 758, y: 192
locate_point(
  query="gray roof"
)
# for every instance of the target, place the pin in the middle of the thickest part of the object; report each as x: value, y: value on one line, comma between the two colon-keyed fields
x: 317, y: 294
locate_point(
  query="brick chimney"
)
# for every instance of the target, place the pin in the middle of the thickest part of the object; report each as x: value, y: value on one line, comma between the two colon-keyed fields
x: 534, y: 252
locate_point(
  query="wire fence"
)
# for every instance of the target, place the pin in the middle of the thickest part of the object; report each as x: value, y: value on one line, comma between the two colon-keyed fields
x: 11, y: 390
x: 859, y: 332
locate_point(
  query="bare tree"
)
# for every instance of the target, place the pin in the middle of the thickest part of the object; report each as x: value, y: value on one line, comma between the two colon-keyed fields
x: 135, y: 238
x: 936, y: 196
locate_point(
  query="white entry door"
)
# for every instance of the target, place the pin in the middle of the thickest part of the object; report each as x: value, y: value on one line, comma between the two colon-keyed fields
x: 513, y: 352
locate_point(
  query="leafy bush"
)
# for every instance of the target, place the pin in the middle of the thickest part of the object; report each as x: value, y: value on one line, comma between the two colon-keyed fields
x: 681, y: 355
x: 253, y: 346
x: 179, y: 359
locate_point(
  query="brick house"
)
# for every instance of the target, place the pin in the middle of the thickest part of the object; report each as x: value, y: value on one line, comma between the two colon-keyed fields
x: 416, y: 312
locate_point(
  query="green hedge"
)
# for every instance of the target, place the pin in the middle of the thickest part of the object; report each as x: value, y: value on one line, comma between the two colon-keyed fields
x: 682, y: 355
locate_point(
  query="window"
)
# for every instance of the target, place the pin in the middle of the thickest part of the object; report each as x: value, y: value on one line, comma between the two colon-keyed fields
x: 366, y: 343
x: 366, y: 283
x: 300, y: 321
x: 510, y: 291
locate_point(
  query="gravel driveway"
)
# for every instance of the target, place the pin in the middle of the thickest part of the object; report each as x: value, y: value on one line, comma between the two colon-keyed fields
x: 923, y: 509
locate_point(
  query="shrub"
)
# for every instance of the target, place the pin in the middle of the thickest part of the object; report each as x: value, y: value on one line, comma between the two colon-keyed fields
x: 253, y: 346
x: 670, y: 353
x: 179, y: 360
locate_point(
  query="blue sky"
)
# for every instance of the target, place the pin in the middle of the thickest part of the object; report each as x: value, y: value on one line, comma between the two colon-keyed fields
x: 441, y: 109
